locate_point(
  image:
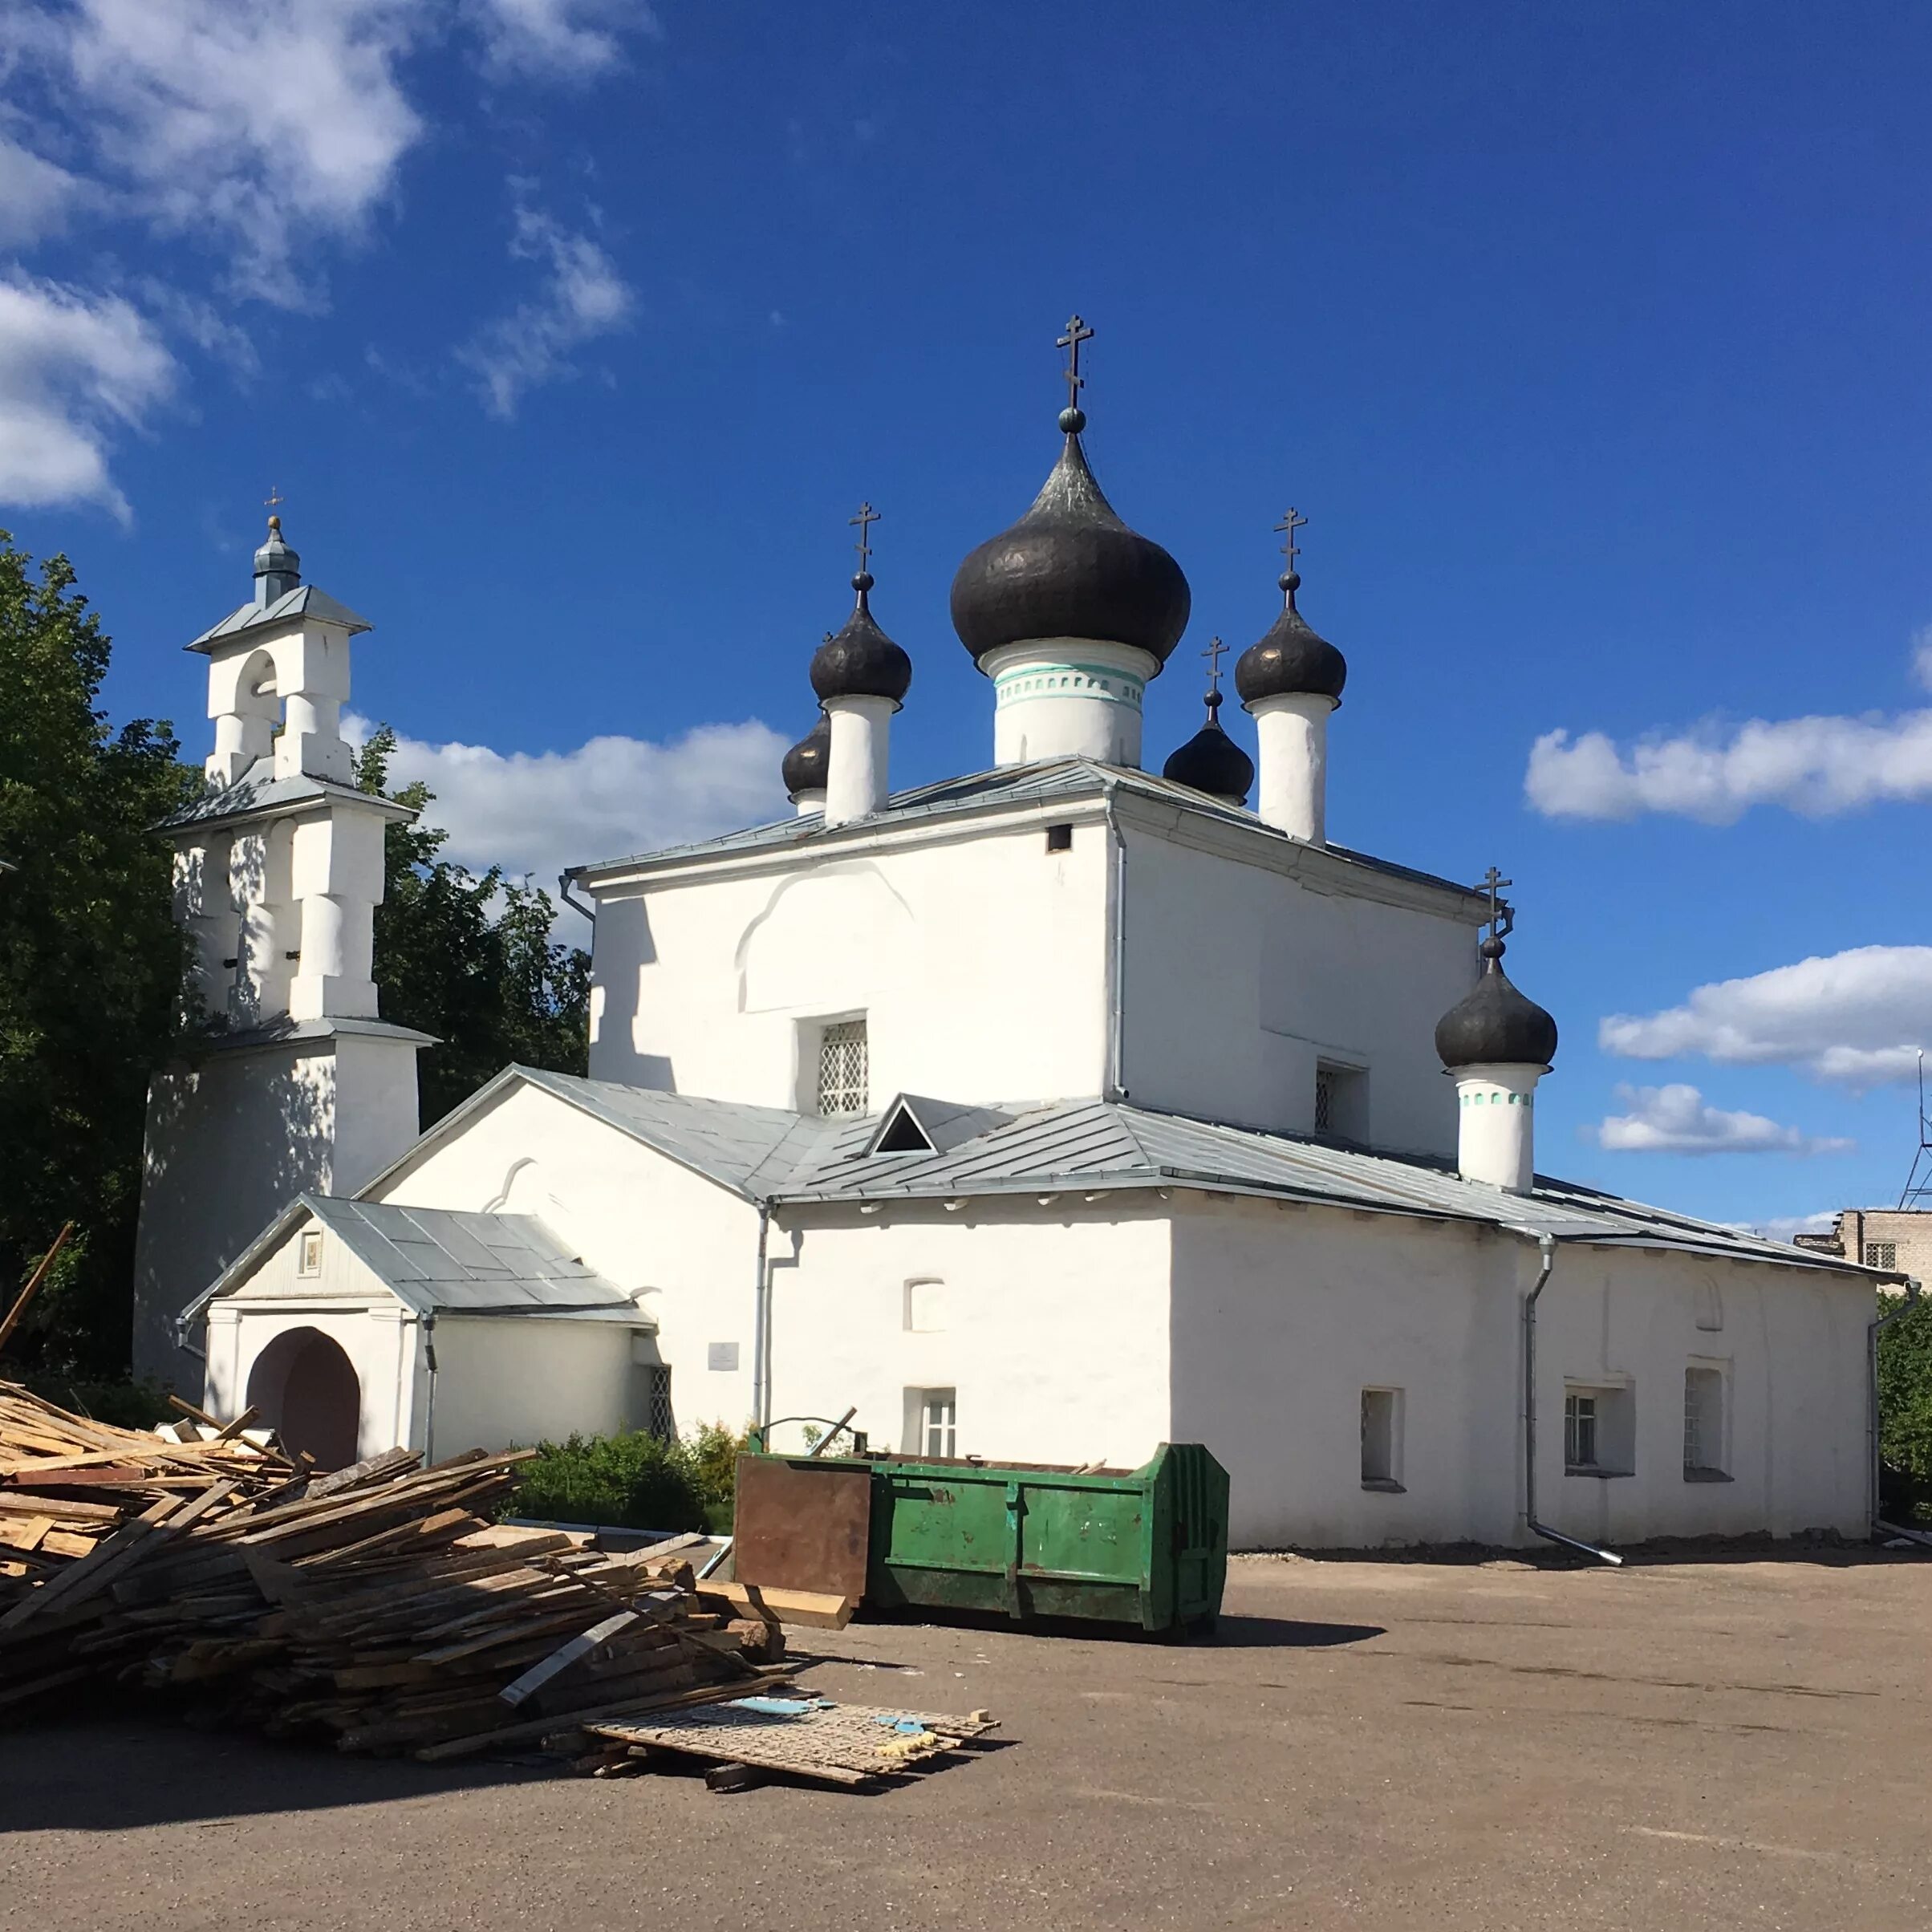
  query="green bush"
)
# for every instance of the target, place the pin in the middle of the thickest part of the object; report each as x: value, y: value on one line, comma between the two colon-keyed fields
x: 121, y: 1404
x: 1905, y: 1406
x: 632, y: 1481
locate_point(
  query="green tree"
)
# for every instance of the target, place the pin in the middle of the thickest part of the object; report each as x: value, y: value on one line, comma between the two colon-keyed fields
x: 468, y: 957
x: 1905, y: 1402
x: 90, y: 963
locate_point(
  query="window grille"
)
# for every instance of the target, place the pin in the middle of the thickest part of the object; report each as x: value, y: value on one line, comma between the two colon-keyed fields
x: 1882, y: 1254
x: 938, y: 1417
x: 842, y: 1068
x: 1580, y: 1430
x: 1324, y: 1101
x: 1703, y: 1421
x: 663, y: 1422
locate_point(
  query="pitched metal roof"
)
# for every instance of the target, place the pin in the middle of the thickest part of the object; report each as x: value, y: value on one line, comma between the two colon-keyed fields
x: 1068, y: 778
x: 258, y: 790
x: 439, y: 1259
x: 1095, y: 1146
x: 305, y: 600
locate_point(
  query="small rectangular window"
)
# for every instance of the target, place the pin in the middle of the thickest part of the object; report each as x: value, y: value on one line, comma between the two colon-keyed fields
x: 1704, y: 1457
x: 1381, y: 1439
x: 1324, y: 1100
x: 1882, y: 1254
x: 1599, y: 1431
x: 663, y: 1419
x: 932, y: 1416
x: 308, y: 1260
x: 844, y: 1074
x: 1059, y: 838
x: 1341, y: 1102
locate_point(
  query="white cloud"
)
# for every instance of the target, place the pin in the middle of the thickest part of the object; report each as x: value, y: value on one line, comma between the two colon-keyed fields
x: 537, y: 813
x: 1857, y: 1018
x: 72, y: 368
x: 267, y: 124
x: 567, y: 40
x: 1677, y: 1119
x: 35, y: 196
x: 582, y: 297
x: 1817, y: 766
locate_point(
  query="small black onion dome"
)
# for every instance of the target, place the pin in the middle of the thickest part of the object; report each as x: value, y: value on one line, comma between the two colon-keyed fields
x: 1070, y: 568
x: 1210, y: 761
x: 860, y: 661
x: 277, y: 563
x: 805, y: 765
x: 1291, y: 660
x: 1495, y: 1025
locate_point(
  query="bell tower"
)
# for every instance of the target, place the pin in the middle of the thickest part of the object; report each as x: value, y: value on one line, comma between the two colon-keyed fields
x: 288, y: 1078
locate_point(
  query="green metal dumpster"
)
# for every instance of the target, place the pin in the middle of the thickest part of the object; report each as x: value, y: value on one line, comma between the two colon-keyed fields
x: 1147, y: 1546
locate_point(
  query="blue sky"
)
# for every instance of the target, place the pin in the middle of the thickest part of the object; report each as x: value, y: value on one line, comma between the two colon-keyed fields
x: 1590, y: 340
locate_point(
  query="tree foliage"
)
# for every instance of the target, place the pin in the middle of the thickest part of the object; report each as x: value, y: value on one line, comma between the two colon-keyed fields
x: 90, y: 963
x: 1905, y: 1401
x: 468, y: 957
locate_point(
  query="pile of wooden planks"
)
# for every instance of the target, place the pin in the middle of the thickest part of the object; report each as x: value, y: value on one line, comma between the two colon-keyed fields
x: 379, y: 1605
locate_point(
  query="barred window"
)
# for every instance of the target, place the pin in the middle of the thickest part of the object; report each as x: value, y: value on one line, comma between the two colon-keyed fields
x: 663, y: 1422
x: 1882, y: 1254
x: 843, y: 1070
x: 1703, y: 1421
x: 1324, y: 1101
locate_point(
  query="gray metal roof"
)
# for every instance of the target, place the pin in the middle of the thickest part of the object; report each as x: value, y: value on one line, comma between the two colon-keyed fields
x: 305, y: 600
x: 439, y: 1259
x: 258, y: 790
x: 1069, y: 778
x: 1092, y: 1146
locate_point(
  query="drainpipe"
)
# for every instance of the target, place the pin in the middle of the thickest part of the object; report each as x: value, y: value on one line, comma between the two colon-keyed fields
x: 429, y: 1411
x: 565, y: 881
x: 761, y: 1325
x: 1546, y: 1245
x: 1117, y: 963
x: 1871, y: 1475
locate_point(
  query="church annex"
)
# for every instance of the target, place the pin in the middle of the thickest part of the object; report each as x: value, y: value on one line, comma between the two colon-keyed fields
x: 903, y: 1103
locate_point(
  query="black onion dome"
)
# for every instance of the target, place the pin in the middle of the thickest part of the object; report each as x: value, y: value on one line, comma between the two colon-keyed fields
x: 1291, y: 660
x: 805, y: 765
x: 1210, y: 761
x: 1070, y: 568
x: 861, y: 661
x: 1495, y: 1025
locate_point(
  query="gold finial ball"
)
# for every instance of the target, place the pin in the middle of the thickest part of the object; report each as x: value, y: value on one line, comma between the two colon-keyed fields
x: 274, y: 523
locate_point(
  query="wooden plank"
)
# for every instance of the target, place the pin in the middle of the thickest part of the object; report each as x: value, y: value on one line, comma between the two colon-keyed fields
x: 801, y: 1526
x: 564, y: 1656
x: 811, y: 1609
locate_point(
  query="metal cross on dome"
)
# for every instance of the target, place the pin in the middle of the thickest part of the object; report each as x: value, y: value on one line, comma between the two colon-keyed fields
x: 1502, y: 920
x: 274, y: 499
x: 1077, y: 333
x: 1215, y: 652
x: 867, y: 518
x: 1288, y: 525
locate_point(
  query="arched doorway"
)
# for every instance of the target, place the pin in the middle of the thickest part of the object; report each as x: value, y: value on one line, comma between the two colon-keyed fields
x: 307, y: 1391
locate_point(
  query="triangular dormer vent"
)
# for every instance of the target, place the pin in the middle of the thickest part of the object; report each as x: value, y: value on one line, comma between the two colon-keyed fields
x: 899, y: 1132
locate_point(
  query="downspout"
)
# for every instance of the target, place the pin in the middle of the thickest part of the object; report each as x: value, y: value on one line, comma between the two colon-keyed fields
x: 429, y: 1411
x: 1116, y: 1088
x: 564, y: 880
x: 762, y: 1325
x: 1546, y: 1245
x: 1872, y: 1472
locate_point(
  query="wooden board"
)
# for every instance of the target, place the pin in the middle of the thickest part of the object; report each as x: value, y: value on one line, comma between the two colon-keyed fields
x: 801, y: 1526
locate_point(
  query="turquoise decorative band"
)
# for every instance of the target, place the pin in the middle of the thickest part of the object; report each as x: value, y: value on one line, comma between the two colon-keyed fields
x: 1067, y: 681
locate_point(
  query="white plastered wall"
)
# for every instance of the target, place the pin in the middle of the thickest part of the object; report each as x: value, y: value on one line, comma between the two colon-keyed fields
x: 1053, y: 1323
x: 980, y: 963
x: 514, y: 1380
x: 1239, y: 980
x: 1282, y: 1316
x: 685, y: 1246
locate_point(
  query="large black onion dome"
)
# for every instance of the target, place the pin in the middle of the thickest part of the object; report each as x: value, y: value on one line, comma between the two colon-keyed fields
x: 1070, y: 568
x: 861, y: 661
x: 805, y: 764
x: 1495, y: 1025
x: 1210, y: 761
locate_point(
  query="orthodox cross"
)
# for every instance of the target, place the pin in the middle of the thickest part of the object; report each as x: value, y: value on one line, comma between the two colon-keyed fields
x: 1502, y: 915
x: 867, y: 518
x: 1215, y: 652
x: 274, y: 499
x: 1077, y: 333
x: 1290, y: 524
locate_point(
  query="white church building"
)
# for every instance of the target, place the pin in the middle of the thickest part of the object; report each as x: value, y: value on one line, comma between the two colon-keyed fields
x: 905, y: 1103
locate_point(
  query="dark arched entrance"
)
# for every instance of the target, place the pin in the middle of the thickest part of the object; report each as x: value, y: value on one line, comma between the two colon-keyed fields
x: 306, y: 1390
